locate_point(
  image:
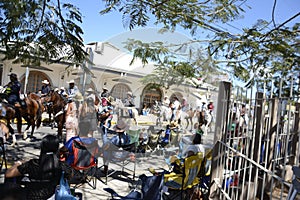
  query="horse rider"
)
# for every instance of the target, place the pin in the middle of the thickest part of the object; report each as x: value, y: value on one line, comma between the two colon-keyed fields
x: 72, y: 90
x: 45, y: 88
x: 129, y: 102
x: 13, y: 89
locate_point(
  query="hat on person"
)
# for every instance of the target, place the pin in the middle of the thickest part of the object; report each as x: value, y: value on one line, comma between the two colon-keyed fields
x: 173, y: 125
x: 45, y: 82
x: 62, y: 88
x: 121, y: 126
x: 90, y: 90
x: 56, y: 90
x: 110, y: 99
x: 13, y: 75
x: 71, y: 81
x: 104, y: 88
x: 78, y: 97
x: 129, y: 93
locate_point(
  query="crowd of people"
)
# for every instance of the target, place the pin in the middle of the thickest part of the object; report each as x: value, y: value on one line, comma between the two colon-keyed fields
x: 84, y: 115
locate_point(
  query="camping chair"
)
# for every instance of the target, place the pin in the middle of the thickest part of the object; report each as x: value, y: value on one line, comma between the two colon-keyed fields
x: 124, y: 156
x: 295, y: 185
x: 2, y: 154
x: 151, y: 189
x: 85, y: 163
x: 179, y: 184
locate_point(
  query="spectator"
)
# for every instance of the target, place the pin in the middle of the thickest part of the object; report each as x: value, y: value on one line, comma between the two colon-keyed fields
x: 104, y: 95
x: 72, y: 90
x: 66, y: 151
x: 44, y: 172
x: 121, y: 139
x: 166, y: 101
x: 129, y: 102
x: 88, y: 113
x: 71, y: 120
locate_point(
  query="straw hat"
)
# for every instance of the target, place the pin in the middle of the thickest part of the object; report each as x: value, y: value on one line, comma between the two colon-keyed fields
x: 45, y: 82
x: 90, y: 90
x: 121, y: 126
x: 173, y: 125
x: 71, y: 81
x: 78, y: 97
x: 129, y: 93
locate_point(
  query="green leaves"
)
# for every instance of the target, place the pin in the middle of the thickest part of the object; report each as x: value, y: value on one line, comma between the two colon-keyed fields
x: 41, y: 30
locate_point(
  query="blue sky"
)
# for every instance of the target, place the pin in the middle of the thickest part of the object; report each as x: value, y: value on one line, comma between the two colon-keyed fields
x: 98, y: 27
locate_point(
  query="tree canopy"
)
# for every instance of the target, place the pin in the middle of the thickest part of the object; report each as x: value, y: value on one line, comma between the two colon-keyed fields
x: 261, y: 52
x: 32, y: 31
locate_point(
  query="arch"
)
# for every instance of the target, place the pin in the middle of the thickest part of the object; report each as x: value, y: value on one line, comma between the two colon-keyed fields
x: 150, y: 94
x: 35, y: 79
x: 120, y: 91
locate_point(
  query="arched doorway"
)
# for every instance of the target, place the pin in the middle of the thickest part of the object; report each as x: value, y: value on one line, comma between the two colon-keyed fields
x: 34, y: 83
x: 120, y: 91
x: 150, y: 94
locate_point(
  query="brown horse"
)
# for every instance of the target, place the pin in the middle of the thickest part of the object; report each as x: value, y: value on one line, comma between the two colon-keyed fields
x: 57, y: 109
x: 30, y: 111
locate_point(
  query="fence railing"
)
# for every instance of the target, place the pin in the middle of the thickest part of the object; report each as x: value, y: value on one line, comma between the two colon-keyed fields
x: 256, y: 143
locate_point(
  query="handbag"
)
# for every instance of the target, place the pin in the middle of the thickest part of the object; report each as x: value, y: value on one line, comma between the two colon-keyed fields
x: 63, y: 191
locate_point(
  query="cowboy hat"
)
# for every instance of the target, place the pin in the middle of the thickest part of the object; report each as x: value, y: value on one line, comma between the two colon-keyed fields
x: 90, y: 90
x: 121, y: 126
x: 45, y: 82
x: 104, y: 88
x: 129, y: 93
x: 71, y: 81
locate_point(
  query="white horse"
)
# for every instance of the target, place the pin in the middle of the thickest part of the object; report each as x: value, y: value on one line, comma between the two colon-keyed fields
x: 120, y: 109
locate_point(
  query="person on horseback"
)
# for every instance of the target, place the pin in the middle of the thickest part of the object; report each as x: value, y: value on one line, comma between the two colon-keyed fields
x: 45, y: 88
x: 13, y: 89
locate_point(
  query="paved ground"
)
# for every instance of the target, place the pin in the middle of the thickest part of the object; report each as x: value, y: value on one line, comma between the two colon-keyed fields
x: 26, y: 150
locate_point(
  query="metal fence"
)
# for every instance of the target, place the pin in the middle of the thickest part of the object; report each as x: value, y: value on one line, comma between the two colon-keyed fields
x: 255, y: 144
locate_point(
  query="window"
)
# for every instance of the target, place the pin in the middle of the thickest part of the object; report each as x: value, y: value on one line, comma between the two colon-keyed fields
x: 120, y: 91
x: 34, y: 83
x: 150, y: 95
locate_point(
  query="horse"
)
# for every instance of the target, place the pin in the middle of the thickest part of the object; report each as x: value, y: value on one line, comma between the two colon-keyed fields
x: 57, y: 108
x: 31, y: 112
x: 119, y: 108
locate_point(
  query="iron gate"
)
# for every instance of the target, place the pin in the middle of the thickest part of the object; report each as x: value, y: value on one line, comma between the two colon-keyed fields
x: 255, y: 144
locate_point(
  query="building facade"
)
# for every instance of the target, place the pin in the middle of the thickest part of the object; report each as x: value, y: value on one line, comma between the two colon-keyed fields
x: 111, y: 69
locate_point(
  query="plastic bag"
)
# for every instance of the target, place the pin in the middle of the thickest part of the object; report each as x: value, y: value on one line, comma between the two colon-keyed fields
x: 63, y: 191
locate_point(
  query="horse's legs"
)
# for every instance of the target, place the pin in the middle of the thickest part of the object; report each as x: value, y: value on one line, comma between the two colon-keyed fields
x: 12, y: 132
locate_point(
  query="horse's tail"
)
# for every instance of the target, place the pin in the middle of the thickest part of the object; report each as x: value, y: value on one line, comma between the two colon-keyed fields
x: 39, y: 115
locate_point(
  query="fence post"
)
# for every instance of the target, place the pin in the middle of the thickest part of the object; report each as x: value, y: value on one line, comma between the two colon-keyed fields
x: 256, y: 144
x: 220, y: 134
x: 294, y: 160
x: 272, y: 136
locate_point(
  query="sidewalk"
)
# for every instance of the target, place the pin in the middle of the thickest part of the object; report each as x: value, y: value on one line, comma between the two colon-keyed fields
x: 27, y: 150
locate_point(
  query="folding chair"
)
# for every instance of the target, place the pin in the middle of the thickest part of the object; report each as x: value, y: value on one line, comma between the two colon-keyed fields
x: 151, y: 189
x: 295, y: 186
x: 2, y: 154
x: 124, y: 156
x: 179, y: 184
x: 85, y: 163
